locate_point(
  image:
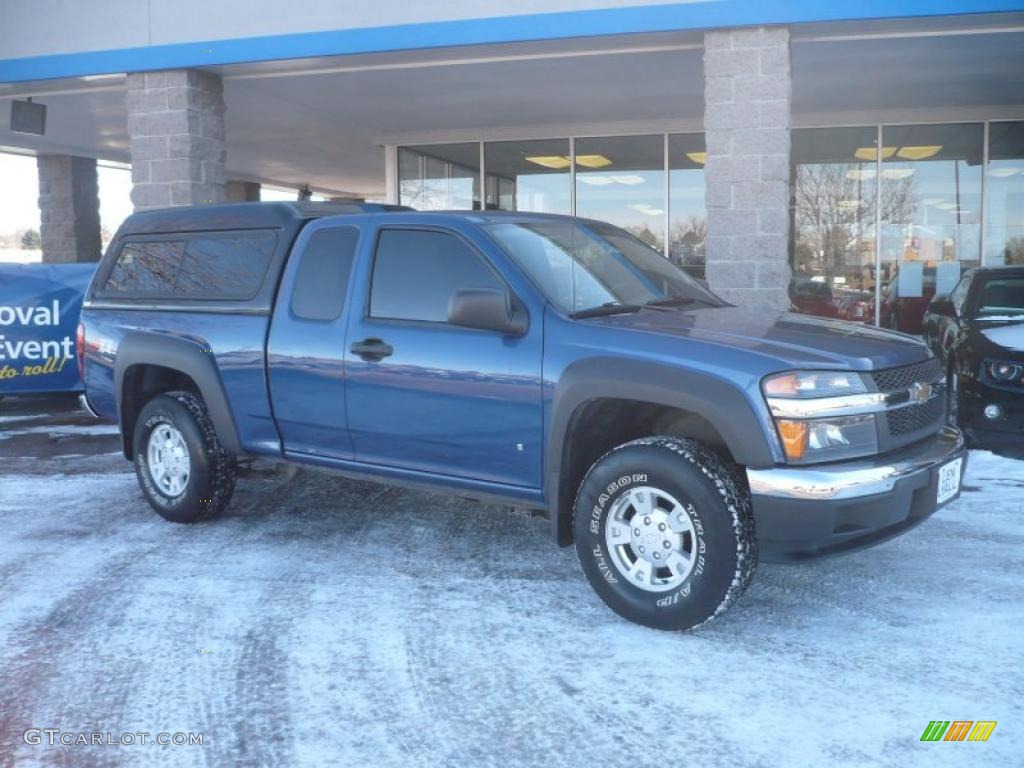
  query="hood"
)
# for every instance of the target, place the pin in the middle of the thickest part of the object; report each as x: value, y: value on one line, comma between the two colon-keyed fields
x: 999, y: 336
x: 797, y: 341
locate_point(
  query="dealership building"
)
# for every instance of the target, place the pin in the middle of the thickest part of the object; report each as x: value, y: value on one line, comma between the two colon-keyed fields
x: 830, y: 154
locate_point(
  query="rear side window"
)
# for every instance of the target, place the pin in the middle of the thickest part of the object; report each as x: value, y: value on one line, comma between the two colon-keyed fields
x: 416, y: 273
x: 229, y: 266
x: 322, y: 279
x: 150, y: 267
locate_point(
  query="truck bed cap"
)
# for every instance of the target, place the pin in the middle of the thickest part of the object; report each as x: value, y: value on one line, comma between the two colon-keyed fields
x: 253, y: 215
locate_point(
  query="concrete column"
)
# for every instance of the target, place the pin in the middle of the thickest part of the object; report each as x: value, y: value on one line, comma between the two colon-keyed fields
x: 747, y: 87
x: 242, y: 192
x: 69, y: 208
x: 176, y: 134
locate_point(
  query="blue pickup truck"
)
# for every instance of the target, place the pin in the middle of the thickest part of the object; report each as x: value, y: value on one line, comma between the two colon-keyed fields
x: 549, y: 363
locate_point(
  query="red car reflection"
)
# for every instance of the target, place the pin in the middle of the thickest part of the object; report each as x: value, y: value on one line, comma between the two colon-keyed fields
x: 906, y: 313
x: 812, y: 297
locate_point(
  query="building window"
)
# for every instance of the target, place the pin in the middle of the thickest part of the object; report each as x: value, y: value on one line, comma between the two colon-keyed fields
x: 440, y: 177
x: 687, y: 212
x: 833, y: 226
x: 528, y: 176
x: 931, y: 216
x: 1004, y: 232
x: 621, y: 180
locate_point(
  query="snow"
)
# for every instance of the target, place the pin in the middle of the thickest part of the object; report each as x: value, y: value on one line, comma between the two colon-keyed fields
x: 355, y: 624
x: 55, y: 431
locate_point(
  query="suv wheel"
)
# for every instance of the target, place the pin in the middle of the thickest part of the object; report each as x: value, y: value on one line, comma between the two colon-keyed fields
x: 182, y: 469
x: 665, y: 533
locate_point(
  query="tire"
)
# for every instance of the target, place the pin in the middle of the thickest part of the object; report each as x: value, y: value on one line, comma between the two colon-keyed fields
x: 713, y: 550
x: 201, y: 476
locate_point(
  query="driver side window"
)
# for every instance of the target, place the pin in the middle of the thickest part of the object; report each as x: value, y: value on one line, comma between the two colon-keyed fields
x: 416, y: 273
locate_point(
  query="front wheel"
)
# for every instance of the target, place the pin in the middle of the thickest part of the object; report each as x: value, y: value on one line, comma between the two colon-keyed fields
x: 182, y: 469
x: 665, y: 533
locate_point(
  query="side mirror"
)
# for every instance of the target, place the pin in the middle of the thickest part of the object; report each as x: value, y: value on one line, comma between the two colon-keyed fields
x: 942, y: 306
x: 486, y: 310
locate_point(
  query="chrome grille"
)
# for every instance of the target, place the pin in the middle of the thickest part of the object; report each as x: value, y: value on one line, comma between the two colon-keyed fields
x: 913, y: 418
x: 896, y: 379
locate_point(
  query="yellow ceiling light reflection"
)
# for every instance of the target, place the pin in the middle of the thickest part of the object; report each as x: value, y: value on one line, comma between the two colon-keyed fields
x: 593, y: 161
x: 557, y: 162
x: 698, y: 157
x: 870, y: 154
x: 918, y: 153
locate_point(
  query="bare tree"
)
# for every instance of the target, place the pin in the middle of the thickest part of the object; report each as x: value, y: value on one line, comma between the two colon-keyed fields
x: 835, y: 208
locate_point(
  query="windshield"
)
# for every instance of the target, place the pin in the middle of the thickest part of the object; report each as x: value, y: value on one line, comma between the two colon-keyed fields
x: 580, y: 265
x: 1002, y: 296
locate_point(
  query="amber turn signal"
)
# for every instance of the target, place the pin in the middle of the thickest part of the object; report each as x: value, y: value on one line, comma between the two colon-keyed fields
x: 794, y: 438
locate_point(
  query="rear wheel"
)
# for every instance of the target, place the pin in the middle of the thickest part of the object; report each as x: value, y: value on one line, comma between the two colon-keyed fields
x: 665, y: 533
x: 181, y: 466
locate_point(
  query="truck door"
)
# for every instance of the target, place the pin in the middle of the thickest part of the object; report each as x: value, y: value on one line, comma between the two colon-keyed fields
x: 306, y: 346
x: 429, y: 396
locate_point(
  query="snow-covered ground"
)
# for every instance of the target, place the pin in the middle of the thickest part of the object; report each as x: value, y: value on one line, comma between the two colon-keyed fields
x: 323, y: 621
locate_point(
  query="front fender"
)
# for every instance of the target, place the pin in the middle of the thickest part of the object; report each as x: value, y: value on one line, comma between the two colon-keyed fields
x: 745, y: 429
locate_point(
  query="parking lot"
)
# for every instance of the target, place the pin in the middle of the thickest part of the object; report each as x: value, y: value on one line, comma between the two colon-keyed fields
x: 328, y: 621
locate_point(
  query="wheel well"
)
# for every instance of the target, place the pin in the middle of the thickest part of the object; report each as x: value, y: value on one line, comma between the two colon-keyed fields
x: 141, y: 384
x: 600, y: 425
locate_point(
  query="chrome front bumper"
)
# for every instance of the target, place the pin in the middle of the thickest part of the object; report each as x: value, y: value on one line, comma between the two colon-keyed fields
x: 855, y: 479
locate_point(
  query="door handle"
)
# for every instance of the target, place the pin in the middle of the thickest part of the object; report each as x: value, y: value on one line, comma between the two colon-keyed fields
x: 372, y: 350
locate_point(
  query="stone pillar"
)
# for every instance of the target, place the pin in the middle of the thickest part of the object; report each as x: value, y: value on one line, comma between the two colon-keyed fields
x: 242, y: 192
x: 69, y: 208
x: 176, y: 135
x: 747, y: 89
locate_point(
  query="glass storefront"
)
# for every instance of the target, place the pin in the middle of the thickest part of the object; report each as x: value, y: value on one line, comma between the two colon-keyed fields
x: 440, y: 177
x: 528, y: 176
x: 931, y: 216
x: 930, y: 195
x: 874, y: 234
x: 621, y: 180
x: 833, y: 251
x: 1004, y: 194
x: 687, y: 221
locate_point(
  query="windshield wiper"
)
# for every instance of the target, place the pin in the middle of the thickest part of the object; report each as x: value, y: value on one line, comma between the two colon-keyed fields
x: 677, y: 301
x: 606, y: 309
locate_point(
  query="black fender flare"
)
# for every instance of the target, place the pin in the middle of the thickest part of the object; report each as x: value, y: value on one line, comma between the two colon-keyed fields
x: 184, y: 356
x: 727, y: 408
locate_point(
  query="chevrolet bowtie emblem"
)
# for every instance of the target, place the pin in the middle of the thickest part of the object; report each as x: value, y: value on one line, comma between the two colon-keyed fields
x: 921, y: 392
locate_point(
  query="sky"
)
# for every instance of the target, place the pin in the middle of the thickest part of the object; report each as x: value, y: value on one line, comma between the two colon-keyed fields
x: 19, y: 194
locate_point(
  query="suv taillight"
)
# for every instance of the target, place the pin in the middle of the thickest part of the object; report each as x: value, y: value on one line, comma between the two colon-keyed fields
x: 80, y: 350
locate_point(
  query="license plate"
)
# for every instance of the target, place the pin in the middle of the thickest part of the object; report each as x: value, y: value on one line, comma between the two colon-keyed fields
x: 949, y: 480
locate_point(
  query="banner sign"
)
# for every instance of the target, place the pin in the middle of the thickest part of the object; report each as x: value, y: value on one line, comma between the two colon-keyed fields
x: 39, y: 309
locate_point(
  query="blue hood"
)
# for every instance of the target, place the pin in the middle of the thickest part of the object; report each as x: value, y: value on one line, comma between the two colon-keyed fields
x: 795, y: 341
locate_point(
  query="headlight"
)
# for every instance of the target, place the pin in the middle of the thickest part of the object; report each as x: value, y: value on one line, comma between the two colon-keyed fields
x: 1005, y: 372
x: 814, y: 384
x: 828, y: 437
x: 811, y: 440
